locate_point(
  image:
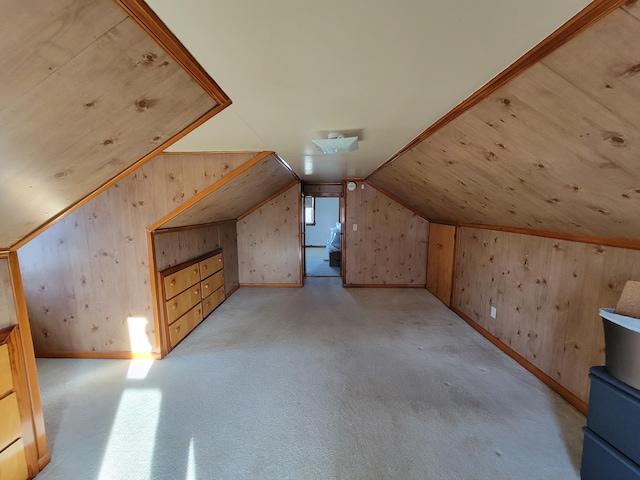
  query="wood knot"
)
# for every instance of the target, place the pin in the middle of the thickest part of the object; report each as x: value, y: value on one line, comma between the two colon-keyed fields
x: 624, y: 195
x: 540, y: 166
x: 633, y: 70
x: 108, y: 141
x: 148, y: 58
x: 90, y: 104
x: 615, y: 139
x: 63, y: 174
x: 144, y: 104
x: 505, y: 101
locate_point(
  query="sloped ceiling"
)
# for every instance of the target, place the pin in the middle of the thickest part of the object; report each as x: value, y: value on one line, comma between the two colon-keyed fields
x: 297, y: 70
x: 85, y: 94
x: 235, y: 194
x: 556, y: 149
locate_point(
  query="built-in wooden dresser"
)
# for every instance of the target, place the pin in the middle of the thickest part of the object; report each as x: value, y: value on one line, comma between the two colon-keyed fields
x: 13, y: 462
x: 190, y: 292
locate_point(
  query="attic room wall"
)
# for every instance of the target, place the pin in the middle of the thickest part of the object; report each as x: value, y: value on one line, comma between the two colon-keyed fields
x: 269, y: 242
x: 389, y: 246
x: 174, y: 247
x: 88, y: 273
x: 547, y: 293
x: 8, y: 315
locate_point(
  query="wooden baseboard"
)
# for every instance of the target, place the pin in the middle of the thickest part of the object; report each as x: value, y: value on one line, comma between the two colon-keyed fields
x: 232, y: 291
x: 272, y: 285
x: 384, y: 285
x: 570, y: 397
x: 101, y: 355
x: 44, y: 461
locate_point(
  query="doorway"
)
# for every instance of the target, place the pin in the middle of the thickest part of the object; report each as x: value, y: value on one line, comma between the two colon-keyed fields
x: 323, y: 236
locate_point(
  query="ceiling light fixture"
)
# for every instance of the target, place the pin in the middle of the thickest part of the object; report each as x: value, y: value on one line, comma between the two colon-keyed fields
x: 336, y: 143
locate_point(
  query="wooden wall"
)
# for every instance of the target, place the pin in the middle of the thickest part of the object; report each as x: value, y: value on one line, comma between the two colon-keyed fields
x: 89, y: 272
x: 174, y: 247
x: 389, y: 246
x: 269, y: 242
x: 8, y: 314
x: 547, y: 293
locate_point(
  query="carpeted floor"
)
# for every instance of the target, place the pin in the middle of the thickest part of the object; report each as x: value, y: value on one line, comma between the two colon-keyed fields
x: 314, y: 383
x: 317, y: 263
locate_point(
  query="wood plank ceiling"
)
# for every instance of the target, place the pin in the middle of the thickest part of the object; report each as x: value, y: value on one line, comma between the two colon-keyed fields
x: 86, y: 93
x: 235, y: 195
x: 556, y: 149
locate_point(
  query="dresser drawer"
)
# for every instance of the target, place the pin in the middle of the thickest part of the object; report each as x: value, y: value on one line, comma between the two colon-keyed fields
x: 13, y: 462
x: 212, y: 301
x: 210, y: 265
x: 181, y: 280
x: 6, y: 380
x: 10, y: 428
x: 181, y: 327
x: 211, y: 284
x: 178, y: 306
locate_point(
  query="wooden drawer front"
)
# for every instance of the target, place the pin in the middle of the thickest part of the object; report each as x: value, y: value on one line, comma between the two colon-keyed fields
x: 212, y: 283
x: 178, y: 306
x: 6, y: 380
x: 210, y: 265
x: 13, y: 463
x: 181, y: 327
x: 212, y: 301
x: 181, y: 280
x: 10, y: 428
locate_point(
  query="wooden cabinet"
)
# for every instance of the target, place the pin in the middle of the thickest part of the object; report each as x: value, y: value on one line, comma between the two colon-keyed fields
x: 190, y: 292
x: 440, y: 261
x: 13, y: 462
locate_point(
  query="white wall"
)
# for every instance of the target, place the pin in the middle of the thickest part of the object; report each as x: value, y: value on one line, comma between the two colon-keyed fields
x: 327, y: 214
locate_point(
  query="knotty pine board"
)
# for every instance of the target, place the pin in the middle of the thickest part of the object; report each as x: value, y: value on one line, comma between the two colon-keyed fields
x: 547, y: 293
x: 269, y: 242
x: 554, y: 149
x: 390, y: 244
x: 440, y: 260
x: 89, y: 272
x: 112, y: 95
x: 238, y: 196
x: 8, y: 314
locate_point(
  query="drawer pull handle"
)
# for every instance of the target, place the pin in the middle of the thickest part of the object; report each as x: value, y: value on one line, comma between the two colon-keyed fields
x: 204, y: 267
x: 174, y: 306
x: 195, y: 270
x: 197, y: 292
x: 206, y: 286
x: 177, y: 329
x: 173, y: 282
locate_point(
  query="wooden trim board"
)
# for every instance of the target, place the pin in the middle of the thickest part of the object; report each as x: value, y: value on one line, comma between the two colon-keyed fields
x: 581, y: 21
x: 607, y: 242
x: 578, y: 403
x: 140, y: 12
x: 103, y: 355
x: 384, y: 285
x: 188, y: 227
x: 271, y: 285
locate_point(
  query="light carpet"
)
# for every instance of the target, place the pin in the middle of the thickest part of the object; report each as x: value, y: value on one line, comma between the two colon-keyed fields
x: 313, y: 383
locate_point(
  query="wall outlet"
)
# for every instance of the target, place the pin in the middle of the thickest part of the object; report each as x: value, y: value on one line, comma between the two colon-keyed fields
x: 493, y: 311
x: 355, y: 227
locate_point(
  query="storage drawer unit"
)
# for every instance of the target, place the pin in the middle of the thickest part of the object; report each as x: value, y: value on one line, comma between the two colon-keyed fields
x: 13, y: 460
x: 189, y: 292
x: 611, y: 435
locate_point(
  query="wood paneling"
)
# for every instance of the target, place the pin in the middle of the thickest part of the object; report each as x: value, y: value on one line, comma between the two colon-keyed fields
x: 269, y: 242
x: 555, y: 149
x: 231, y: 199
x: 440, y: 260
x: 8, y: 314
x: 112, y: 95
x: 87, y: 274
x: 547, y: 294
x: 389, y: 246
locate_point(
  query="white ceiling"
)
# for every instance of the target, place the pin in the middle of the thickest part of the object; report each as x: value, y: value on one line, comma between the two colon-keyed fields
x: 295, y: 69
